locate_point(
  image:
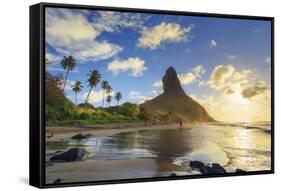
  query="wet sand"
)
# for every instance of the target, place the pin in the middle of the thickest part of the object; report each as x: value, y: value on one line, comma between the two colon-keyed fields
x: 110, y: 170
x: 62, y: 133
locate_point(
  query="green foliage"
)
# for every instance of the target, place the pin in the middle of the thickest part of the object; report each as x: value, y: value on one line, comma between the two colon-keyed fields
x: 129, y: 109
x: 54, y: 93
x: 87, y: 105
x: 144, y: 115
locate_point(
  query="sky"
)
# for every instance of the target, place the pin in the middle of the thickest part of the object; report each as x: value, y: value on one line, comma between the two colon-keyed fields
x: 224, y: 64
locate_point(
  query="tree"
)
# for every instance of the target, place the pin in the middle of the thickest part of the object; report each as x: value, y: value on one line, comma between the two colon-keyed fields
x: 77, y: 87
x: 108, y: 90
x: 104, y: 85
x: 108, y: 99
x: 94, y: 79
x: 68, y: 63
x: 118, y: 97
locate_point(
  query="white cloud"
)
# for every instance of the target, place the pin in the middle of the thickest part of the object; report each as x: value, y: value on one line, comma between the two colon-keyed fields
x: 138, y: 97
x: 154, y: 37
x: 186, y: 78
x: 59, y: 69
x: 268, y: 60
x: 70, y: 32
x: 110, y: 21
x: 220, y: 75
x: 231, y: 57
x: 213, y: 43
x: 68, y: 85
x: 199, y: 70
x: 51, y: 58
x: 242, y: 75
x: 95, y: 96
x: 157, y: 83
x: 136, y: 66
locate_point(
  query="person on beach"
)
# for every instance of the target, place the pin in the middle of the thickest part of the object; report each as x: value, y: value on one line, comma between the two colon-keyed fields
x: 180, y: 123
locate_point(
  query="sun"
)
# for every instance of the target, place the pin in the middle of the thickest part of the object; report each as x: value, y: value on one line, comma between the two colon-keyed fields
x: 238, y: 99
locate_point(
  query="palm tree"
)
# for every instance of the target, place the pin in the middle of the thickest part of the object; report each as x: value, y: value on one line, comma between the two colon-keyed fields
x: 68, y: 63
x: 108, y: 89
x: 104, y: 85
x: 108, y: 99
x: 77, y: 87
x: 118, y: 97
x: 94, y: 79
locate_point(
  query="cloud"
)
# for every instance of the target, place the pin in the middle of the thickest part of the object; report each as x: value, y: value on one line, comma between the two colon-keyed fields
x: 268, y: 60
x: 136, y: 66
x: 231, y: 57
x: 213, y: 43
x: 186, y: 78
x: 157, y: 83
x: 95, y: 96
x: 154, y: 37
x: 220, y: 75
x: 243, y: 84
x: 51, y: 58
x: 111, y: 21
x: 69, y: 32
x: 138, y: 97
x: 58, y: 69
x: 229, y: 91
x: 253, y: 91
x: 199, y: 70
x: 68, y: 85
x: 242, y: 75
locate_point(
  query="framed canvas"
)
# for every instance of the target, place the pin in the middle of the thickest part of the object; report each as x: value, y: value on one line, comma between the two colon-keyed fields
x: 122, y: 95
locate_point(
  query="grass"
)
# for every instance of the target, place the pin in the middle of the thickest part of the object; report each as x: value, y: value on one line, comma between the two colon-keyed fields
x: 91, y: 122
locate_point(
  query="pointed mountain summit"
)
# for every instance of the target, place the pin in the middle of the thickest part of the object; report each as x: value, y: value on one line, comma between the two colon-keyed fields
x: 174, y: 100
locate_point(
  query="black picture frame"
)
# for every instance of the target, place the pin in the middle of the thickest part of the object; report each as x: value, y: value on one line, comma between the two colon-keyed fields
x: 37, y: 95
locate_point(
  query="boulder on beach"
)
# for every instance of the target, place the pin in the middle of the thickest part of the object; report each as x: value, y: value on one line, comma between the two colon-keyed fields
x: 74, y: 154
x: 57, y: 181
x: 239, y: 170
x: 82, y: 136
x: 213, y: 168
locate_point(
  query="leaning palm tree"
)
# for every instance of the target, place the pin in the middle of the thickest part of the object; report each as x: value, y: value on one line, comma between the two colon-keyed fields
x: 118, y: 97
x: 104, y: 85
x: 108, y: 90
x: 108, y: 100
x: 68, y: 63
x: 94, y: 79
x: 77, y: 87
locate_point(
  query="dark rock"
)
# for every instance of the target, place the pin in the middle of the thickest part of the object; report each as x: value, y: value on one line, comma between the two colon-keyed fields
x: 240, y: 170
x: 213, y: 168
x: 217, y: 168
x: 173, y: 174
x: 48, y: 163
x: 171, y: 83
x: 74, y: 154
x: 82, y: 136
x: 57, y: 181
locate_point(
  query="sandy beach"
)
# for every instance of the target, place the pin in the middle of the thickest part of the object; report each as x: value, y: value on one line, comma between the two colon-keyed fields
x: 61, y: 133
x: 111, y: 170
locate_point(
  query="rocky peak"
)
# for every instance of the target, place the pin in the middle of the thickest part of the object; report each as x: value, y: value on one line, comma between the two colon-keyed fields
x: 171, y: 83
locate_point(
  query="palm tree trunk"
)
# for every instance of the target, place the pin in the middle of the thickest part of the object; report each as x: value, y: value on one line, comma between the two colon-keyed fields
x: 65, y: 79
x: 76, y: 98
x: 86, y: 100
x: 103, y: 99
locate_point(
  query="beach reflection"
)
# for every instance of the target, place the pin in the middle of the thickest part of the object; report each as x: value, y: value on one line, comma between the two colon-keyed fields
x: 232, y: 146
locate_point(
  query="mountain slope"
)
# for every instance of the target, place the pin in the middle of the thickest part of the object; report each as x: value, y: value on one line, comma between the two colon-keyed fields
x: 175, y: 101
